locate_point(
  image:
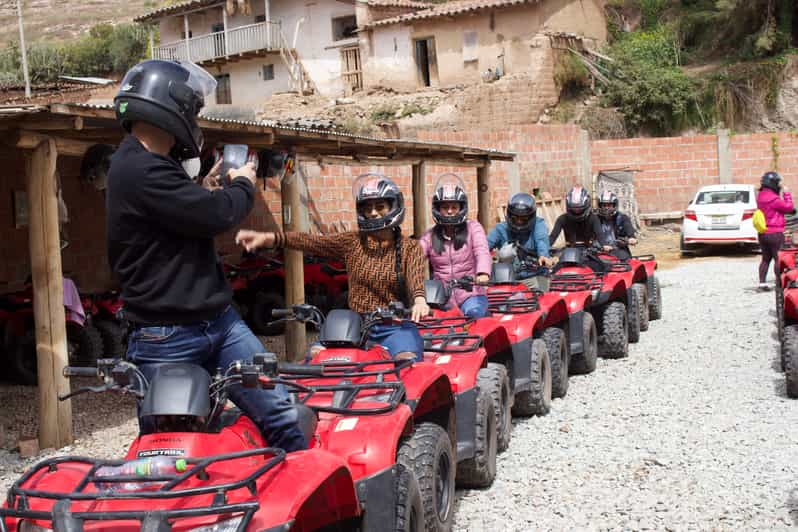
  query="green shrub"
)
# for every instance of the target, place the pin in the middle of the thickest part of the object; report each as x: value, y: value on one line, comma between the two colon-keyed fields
x: 571, y: 75
x: 659, y: 47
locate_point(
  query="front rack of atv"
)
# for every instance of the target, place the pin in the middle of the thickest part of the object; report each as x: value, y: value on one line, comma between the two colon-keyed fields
x: 514, y: 301
x: 345, y: 393
x: 576, y: 282
x: 18, y: 497
x: 645, y: 258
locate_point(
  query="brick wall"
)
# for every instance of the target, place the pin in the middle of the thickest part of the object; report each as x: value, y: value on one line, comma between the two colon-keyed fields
x: 672, y: 169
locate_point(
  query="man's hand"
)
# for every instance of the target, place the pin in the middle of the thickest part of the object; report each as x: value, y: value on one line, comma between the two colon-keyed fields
x: 483, y: 278
x: 248, y: 171
x: 545, y: 261
x: 632, y: 241
x: 252, y: 240
x: 419, y: 310
x: 606, y: 249
x: 211, y: 181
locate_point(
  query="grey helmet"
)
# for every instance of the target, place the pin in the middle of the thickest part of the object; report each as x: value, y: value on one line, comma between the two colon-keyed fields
x: 377, y: 186
x: 607, y: 204
x: 449, y: 187
x: 521, y: 204
x: 168, y: 95
x: 577, y: 204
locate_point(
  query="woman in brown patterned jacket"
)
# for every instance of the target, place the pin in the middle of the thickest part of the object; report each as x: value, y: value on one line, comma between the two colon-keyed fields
x: 382, y: 265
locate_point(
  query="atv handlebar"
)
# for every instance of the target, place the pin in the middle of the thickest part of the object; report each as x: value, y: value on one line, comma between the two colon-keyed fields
x: 303, y: 312
x: 71, y: 371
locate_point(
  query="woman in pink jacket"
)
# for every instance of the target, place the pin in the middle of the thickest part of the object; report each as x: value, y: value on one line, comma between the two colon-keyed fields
x: 457, y: 247
x: 774, y: 206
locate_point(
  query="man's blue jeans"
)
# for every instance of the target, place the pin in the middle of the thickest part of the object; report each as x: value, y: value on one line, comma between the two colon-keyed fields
x: 215, y: 344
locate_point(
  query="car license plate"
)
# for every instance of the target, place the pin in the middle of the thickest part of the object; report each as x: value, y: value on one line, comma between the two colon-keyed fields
x: 719, y: 219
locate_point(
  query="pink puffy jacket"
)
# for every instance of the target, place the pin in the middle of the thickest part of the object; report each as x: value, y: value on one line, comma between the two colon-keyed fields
x: 471, y: 259
x: 774, y: 209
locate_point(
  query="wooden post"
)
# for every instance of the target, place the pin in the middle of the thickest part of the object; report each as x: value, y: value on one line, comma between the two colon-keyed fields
x: 294, y: 219
x: 420, y: 206
x: 152, y: 44
x: 483, y: 196
x: 226, y: 37
x: 187, y: 31
x: 55, y: 417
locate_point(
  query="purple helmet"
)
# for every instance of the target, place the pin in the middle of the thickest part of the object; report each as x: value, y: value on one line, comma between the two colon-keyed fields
x: 376, y: 186
x: 449, y: 188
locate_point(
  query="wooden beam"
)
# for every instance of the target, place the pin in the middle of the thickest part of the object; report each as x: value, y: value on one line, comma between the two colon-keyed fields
x: 295, y: 218
x: 420, y: 204
x: 64, y: 146
x: 54, y: 124
x: 55, y: 417
x: 483, y: 197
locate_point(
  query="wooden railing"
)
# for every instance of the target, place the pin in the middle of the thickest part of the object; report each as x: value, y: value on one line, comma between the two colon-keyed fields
x: 259, y: 36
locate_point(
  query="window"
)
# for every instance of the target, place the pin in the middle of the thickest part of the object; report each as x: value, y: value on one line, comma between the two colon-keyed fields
x: 216, y: 28
x: 722, y: 196
x: 470, y: 46
x: 223, y: 93
x: 183, y: 34
x: 344, y: 27
x: 260, y: 18
x: 268, y: 72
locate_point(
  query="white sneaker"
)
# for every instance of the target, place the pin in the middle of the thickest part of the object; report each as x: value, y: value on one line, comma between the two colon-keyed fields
x: 764, y: 287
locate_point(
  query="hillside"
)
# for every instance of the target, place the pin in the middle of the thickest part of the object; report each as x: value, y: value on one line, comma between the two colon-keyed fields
x: 60, y: 20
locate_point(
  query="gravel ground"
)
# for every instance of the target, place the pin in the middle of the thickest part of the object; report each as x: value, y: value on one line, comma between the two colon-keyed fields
x: 692, y: 431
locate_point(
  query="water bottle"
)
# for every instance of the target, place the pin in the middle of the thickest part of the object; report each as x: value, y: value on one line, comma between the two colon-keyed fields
x: 156, y: 466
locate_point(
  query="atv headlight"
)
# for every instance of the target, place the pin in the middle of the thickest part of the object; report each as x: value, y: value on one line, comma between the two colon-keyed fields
x: 27, y: 526
x: 230, y: 525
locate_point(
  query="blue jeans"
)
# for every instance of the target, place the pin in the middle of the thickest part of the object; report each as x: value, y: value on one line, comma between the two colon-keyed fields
x: 400, y: 338
x: 475, y: 307
x: 213, y: 344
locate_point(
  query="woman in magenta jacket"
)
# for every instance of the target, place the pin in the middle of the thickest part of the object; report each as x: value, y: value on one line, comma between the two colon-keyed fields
x: 457, y: 247
x: 774, y: 206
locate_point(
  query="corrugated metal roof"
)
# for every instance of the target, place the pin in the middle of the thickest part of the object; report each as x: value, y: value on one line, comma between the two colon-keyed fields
x: 399, y: 3
x: 287, y: 130
x: 176, y: 8
x: 450, y: 9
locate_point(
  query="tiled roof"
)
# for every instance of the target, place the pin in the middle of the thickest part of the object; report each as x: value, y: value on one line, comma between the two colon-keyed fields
x: 176, y: 8
x: 451, y: 8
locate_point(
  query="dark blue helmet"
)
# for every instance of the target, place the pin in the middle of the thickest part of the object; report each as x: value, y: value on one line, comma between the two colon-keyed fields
x: 521, y: 205
x: 771, y: 180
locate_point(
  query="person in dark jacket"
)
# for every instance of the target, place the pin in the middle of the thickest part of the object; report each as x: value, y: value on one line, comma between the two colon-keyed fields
x: 582, y: 227
x: 161, y: 229
x: 617, y: 230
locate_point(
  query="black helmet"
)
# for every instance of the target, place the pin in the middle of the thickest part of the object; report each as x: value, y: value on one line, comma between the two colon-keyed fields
x: 607, y: 204
x: 169, y: 95
x: 521, y: 204
x: 771, y: 180
x: 449, y: 188
x: 577, y: 204
x: 375, y: 186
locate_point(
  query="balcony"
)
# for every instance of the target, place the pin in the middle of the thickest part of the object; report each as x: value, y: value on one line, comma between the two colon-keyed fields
x: 221, y: 45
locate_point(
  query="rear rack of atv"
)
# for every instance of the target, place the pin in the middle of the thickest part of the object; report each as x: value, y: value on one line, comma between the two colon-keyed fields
x: 449, y: 335
x: 576, y: 282
x: 514, y: 301
x: 346, y: 393
x: 18, y: 497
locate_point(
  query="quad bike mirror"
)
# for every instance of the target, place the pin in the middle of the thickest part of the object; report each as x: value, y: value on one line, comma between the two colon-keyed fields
x: 436, y: 293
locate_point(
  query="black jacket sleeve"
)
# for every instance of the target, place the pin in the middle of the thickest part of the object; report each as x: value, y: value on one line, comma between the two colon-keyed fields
x: 627, y: 227
x: 557, y: 229
x: 187, y: 208
x: 594, y: 225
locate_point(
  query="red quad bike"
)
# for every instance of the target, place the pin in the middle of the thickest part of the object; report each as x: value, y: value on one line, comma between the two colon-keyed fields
x: 605, y: 297
x: 786, y: 272
x: 787, y: 314
x: 103, y: 309
x: 84, y: 343
x: 640, y: 276
x: 420, y: 441
x: 326, y: 287
x: 233, y: 481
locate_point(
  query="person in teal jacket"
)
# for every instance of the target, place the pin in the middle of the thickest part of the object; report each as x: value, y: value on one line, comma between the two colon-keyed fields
x: 523, y: 227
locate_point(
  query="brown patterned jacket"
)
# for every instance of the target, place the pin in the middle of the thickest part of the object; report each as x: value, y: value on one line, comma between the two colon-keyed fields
x: 372, y: 269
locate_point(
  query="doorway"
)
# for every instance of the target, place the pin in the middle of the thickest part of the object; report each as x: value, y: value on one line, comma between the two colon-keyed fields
x: 426, y: 61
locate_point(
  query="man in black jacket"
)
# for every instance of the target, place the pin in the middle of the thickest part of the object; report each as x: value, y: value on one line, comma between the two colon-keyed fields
x: 161, y: 228
x: 617, y: 231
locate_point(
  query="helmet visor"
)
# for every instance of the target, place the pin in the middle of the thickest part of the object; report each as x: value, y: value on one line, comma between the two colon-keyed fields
x: 449, y: 185
x: 199, y: 79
